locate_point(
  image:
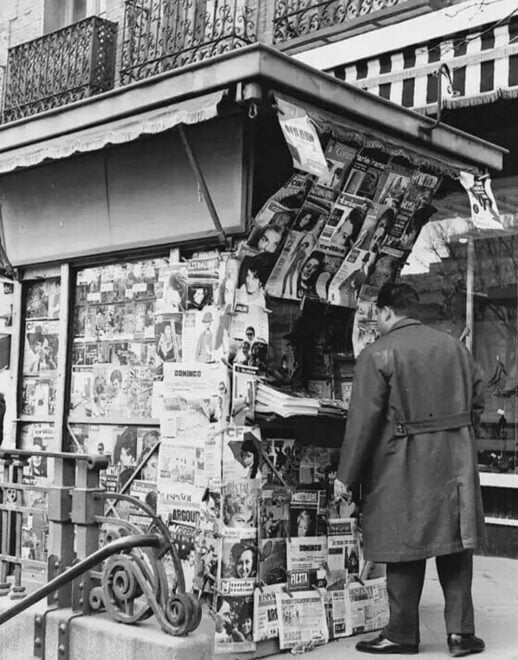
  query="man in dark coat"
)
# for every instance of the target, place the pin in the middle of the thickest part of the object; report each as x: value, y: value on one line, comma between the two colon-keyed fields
x: 410, y: 443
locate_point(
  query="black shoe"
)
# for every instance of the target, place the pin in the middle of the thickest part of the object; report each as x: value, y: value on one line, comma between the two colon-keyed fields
x: 461, y: 645
x: 382, y: 645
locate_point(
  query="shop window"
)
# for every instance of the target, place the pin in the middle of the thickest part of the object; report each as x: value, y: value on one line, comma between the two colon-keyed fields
x: 468, y: 282
x: 37, y: 406
x: 116, y: 341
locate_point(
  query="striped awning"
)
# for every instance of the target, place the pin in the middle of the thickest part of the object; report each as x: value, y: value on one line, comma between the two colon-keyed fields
x: 483, y: 63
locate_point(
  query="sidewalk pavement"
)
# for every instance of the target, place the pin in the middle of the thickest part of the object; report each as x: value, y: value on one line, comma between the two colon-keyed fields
x: 495, y: 595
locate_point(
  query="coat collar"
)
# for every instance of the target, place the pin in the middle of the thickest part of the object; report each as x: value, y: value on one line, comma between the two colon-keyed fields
x: 404, y: 323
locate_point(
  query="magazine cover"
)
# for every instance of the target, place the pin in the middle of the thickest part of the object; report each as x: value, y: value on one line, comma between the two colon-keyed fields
x: 171, y: 289
x: 234, y: 618
x: 302, y: 620
x: 317, y: 464
x: 42, y: 299
x: 239, y: 503
x: 199, y: 332
x: 41, y: 347
x: 168, y: 338
x: 202, y: 281
x: 244, y: 386
x: 350, y: 277
x: 37, y: 437
x: 393, y: 185
x: 145, y: 492
x: 38, y: 396
x: 365, y: 326
x: 274, y: 506
x: 238, y: 566
x: 241, y: 453
x: 208, y: 552
x: 339, y: 158
x: 272, y: 561
x: 307, y: 511
x: 366, y: 174
x: 282, y: 206
x: 281, y: 465
x: 35, y: 532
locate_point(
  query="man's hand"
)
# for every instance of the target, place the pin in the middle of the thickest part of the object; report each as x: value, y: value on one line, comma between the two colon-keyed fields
x: 339, y: 489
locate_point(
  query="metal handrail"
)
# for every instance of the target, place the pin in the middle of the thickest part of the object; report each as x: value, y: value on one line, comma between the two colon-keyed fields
x: 125, y: 543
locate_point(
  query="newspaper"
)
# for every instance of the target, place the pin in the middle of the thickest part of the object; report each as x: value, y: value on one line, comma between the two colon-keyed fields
x: 302, y: 619
x: 304, y: 554
x: 337, y: 613
x: 266, y: 619
x: 367, y: 606
x: 302, y: 139
x: 343, y: 550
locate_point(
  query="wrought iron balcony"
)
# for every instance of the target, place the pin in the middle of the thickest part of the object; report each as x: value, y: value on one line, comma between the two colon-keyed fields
x: 160, y: 35
x: 61, y: 67
x: 301, y: 21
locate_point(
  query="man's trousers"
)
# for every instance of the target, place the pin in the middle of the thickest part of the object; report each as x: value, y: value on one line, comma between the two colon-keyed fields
x: 405, y: 584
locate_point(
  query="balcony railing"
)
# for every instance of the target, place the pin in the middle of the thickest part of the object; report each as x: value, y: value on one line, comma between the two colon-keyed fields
x: 61, y: 67
x: 165, y: 34
x: 295, y: 19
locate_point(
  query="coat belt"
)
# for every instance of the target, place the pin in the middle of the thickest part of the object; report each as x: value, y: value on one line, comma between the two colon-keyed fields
x: 432, y: 424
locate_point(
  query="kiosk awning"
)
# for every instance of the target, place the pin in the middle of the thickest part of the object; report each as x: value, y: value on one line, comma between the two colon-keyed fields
x: 191, y: 111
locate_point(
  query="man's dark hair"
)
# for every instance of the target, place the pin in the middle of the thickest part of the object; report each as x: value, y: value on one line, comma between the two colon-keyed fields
x: 400, y: 297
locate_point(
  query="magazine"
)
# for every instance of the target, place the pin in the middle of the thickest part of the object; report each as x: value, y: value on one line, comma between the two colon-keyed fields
x: 307, y: 512
x: 234, y: 618
x: 199, y: 332
x: 339, y: 158
x: 239, y: 503
x: 238, y: 565
x: 41, y: 347
x: 274, y: 505
x: 365, y: 175
x: 241, y: 453
x: 302, y: 620
x: 171, y: 289
x: 202, y: 281
x: 272, y: 561
x: 244, y: 385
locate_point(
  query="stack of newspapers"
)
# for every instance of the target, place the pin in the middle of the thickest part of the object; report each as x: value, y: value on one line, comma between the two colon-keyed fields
x: 287, y: 403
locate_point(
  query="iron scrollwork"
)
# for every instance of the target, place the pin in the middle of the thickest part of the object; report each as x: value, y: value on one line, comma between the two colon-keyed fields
x: 296, y: 18
x: 70, y: 64
x: 135, y: 585
x: 160, y: 35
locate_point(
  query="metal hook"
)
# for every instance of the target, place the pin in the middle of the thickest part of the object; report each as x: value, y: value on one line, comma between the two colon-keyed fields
x: 253, y: 110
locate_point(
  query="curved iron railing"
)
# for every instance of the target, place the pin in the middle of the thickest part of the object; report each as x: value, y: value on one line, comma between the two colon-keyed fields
x: 298, y: 18
x: 69, y: 64
x: 160, y: 35
x: 133, y: 583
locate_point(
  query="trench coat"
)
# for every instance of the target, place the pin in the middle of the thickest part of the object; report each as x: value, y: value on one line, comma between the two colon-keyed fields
x: 421, y: 491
